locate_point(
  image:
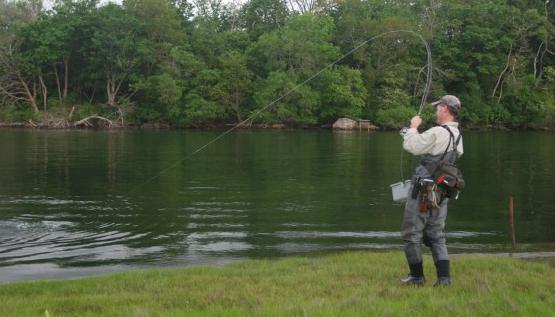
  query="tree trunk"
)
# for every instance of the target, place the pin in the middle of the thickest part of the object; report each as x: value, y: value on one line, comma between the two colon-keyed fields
x: 92, y: 95
x: 112, y: 89
x: 499, y: 83
x: 58, y: 85
x: 110, y: 92
x: 236, y: 105
x: 66, y: 76
x: 44, y: 93
x: 111, y: 98
x: 70, y: 117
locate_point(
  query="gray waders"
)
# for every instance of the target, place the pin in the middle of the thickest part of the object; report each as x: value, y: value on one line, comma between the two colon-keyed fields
x: 426, y: 225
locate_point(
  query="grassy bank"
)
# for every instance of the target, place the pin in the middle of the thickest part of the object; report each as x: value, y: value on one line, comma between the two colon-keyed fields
x: 345, y: 284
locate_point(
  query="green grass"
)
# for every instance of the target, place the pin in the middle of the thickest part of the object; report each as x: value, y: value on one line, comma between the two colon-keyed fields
x: 344, y: 284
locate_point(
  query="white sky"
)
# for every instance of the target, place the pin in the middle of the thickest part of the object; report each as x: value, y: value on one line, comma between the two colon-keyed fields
x: 48, y: 3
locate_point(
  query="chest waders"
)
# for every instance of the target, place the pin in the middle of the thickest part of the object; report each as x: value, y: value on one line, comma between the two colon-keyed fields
x: 424, y: 218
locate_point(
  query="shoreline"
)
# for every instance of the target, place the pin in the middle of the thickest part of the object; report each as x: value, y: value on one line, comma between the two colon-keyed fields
x: 255, y: 127
x: 80, y: 273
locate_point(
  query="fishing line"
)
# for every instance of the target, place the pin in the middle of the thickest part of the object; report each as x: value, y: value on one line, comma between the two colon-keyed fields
x: 287, y: 93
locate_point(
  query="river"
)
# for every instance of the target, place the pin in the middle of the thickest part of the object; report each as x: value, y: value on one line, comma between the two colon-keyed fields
x: 81, y: 202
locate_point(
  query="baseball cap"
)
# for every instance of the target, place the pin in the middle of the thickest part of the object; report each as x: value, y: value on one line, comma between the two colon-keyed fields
x: 449, y: 100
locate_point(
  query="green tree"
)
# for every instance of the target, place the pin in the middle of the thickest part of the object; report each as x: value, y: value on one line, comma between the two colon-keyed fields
x: 200, y: 95
x: 286, y: 101
x: 64, y: 30
x: 234, y: 85
x: 342, y: 94
x: 263, y: 16
x: 289, y: 57
x: 160, y: 28
x: 15, y: 86
x: 115, y: 50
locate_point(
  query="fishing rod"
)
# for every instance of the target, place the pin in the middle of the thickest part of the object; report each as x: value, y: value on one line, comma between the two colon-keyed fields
x: 424, y: 94
x: 295, y: 88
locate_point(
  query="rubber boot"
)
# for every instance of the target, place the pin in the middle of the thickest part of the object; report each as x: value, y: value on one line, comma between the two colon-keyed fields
x: 443, y: 275
x: 416, y: 275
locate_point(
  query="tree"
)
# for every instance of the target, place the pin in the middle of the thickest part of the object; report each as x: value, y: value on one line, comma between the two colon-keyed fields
x: 342, y: 94
x: 263, y: 16
x: 15, y: 86
x: 286, y: 102
x: 160, y: 28
x: 289, y: 57
x: 14, y: 15
x: 303, y: 47
x: 64, y: 28
x: 115, y: 49
x: 234, y: 84
x: 198, y: 83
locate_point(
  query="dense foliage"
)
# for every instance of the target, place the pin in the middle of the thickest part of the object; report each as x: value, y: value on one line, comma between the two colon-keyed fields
x: 208, y: 62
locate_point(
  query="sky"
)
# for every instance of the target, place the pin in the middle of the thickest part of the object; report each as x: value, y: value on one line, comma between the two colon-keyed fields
x: 48, y: 3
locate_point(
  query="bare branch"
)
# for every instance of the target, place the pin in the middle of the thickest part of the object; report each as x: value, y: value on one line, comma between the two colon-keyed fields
x: 500, y: 78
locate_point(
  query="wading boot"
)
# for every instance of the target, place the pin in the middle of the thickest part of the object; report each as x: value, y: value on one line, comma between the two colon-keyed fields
x: 443, y: 281
x: 443, y: 276
x: 416, y: 275
x: 413, y: 280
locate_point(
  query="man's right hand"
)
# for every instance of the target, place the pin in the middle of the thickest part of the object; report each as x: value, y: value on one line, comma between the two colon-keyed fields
x: 415, y: 122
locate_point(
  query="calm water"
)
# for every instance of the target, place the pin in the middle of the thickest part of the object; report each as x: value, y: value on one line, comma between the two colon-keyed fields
x: 74, y: 203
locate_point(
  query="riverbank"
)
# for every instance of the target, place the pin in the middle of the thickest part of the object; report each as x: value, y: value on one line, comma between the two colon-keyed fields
x: 103, y: 123
x: 278, y: 127
x: 349, y: 283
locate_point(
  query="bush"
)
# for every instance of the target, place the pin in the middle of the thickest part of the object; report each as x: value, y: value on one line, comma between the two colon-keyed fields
x: 145, y: 114
x: 199, y: 111
x: 11, y: 113
x: 397, y: 117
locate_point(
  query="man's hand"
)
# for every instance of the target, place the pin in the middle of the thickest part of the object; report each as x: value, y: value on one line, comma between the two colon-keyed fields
x: 415, y: 122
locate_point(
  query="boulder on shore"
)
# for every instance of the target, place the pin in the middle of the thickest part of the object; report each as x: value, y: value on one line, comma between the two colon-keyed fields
x: 345, y: 124
x: 350, y: 124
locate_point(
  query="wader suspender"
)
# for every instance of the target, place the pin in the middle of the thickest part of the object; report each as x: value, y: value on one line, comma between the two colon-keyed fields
x: 425, y: 199
x: 455, y: 143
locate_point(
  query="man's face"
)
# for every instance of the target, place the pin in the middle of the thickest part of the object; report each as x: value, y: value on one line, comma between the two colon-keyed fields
x: 441, y: 109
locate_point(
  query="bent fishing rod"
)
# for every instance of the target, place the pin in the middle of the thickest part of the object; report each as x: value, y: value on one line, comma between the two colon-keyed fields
x: 295, y: 88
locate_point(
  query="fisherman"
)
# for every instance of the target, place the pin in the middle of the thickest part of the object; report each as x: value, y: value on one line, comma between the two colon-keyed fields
x: 423, y: 221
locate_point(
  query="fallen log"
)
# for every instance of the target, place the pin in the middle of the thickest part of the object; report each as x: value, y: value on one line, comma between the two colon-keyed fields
x: 86, y: 121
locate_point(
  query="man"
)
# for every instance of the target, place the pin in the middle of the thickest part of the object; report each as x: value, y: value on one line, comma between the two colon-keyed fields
x: 423, y: 221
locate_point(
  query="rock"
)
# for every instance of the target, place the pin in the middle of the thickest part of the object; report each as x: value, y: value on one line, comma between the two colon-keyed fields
x: 345, y: 124
x: 366, y: 125
x: 349, y: 124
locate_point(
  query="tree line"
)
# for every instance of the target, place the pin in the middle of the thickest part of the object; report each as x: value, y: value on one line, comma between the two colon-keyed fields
x: 213, y: 62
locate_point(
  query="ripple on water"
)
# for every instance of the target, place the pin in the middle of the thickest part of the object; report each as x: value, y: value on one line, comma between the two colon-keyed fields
x: 72, y: 234
x: 84, y: 232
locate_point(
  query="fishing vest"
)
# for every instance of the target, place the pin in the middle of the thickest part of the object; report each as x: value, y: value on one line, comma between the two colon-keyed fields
x: 428, y: 162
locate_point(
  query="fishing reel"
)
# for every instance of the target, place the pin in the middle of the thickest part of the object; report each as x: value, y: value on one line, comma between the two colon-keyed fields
x: 403, y: 131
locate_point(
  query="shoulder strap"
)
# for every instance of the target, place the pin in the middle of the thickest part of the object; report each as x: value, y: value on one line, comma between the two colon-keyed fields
x: 451, y: 137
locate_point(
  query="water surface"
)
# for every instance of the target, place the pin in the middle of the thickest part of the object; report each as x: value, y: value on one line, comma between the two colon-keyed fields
x: 75, y: 203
